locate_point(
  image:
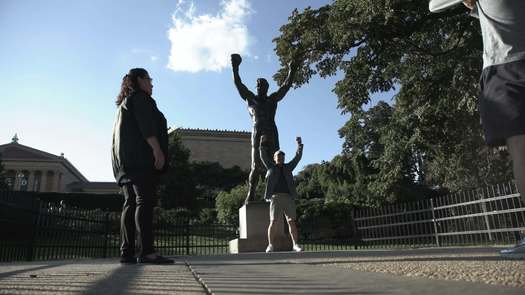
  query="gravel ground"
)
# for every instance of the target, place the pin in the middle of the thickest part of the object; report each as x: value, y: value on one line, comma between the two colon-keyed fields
x: 486, y: 268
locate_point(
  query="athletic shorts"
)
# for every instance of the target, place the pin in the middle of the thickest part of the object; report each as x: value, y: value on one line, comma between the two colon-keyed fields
x: 502, y: 102
x: 282, y: 204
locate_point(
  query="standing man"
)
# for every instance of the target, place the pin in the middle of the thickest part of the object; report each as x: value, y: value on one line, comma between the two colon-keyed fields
x: 262, y: 109
x: 280, y: 190
x: 502, y: 99
x: 139, y: 151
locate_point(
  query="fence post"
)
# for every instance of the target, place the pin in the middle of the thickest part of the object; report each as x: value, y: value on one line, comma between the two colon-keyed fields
x: 434, y: 222
x: 106, y: 234
x: 187, y: 235
x: 354, y: 229
x: 487, y: 223
x: 30, y: 254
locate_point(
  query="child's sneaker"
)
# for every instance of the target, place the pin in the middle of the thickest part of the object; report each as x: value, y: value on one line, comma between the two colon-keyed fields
x: 269, y: 248
x: 297, y: 248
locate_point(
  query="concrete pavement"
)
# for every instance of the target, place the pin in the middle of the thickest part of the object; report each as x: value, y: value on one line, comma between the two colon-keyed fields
x: 424, y: 271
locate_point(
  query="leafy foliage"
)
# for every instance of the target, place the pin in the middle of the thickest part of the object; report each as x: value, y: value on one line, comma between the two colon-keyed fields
x: 319, y: 220
x: 212, y: 178
x: 177, y: 188
x: 429, y: 138
x: 192, y: 185
x: 229, y: 202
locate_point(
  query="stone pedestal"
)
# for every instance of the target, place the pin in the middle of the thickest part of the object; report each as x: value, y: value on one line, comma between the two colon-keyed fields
x: 254, y: 219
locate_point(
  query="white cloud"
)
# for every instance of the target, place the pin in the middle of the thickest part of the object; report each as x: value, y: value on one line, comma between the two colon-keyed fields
x: 204, y: 42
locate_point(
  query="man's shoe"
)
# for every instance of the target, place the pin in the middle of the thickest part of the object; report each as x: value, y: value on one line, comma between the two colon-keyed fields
x: 517, y: 251
x: 128, y: 260
x: 158, y: 259
x: 269, y: 248
x: 297, y: 248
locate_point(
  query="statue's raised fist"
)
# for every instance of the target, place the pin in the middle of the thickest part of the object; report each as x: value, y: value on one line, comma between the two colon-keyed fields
x: 236, y: 59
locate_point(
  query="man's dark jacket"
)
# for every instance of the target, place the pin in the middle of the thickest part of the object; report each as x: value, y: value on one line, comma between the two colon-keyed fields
x: 274, y: 172
x: 137, y: 119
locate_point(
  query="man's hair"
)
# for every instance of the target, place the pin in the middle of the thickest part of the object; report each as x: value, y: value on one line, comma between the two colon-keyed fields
x: 278, y: 152
x: 130, y: 83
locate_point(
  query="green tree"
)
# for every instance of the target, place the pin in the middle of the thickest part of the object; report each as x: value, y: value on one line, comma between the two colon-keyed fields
x: 177, y: 188
x: 309, y: 182
x: 211, y: 178
x: 193, y: 185
x: 430, y: 137
x: 229, y: 202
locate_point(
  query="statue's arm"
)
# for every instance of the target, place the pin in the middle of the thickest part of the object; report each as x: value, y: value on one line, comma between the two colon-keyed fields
x: 245, y: 93
x: 281, y: 92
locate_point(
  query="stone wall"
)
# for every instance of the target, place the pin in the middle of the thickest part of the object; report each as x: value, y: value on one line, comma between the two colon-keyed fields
x: 228, y: 148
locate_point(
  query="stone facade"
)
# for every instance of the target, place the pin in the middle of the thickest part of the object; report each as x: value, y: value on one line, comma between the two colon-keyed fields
x: 228, y: 148
x: 29, y: 169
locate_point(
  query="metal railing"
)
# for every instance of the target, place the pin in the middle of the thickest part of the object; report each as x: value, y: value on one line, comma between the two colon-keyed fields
x: 493, y: 215
x: 32, y: 230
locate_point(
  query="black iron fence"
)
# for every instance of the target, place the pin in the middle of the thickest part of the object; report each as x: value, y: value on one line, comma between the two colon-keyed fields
x: 34, y: 230
x: 493, y: 215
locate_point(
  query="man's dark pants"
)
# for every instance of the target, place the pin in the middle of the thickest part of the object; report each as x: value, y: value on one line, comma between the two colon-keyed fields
x: 137, y: 216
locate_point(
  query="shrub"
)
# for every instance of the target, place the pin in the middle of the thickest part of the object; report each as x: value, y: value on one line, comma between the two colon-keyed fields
x: 319, y: 220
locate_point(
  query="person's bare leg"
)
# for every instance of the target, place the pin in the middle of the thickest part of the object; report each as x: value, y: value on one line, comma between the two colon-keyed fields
x: 293, y: 231
x: 271, y: 235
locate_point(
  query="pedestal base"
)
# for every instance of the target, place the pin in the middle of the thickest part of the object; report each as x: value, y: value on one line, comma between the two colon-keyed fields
x: 254, y: 219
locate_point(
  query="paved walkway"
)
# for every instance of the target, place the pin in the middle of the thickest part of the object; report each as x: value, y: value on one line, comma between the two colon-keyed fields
x: 352, y: 272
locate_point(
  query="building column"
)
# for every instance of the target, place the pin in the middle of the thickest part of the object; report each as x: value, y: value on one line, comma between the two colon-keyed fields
x: 43, y: 181
x: 30, y: 180
x: 59, y: 182
x: 50, y: 181
x: 55, y: 181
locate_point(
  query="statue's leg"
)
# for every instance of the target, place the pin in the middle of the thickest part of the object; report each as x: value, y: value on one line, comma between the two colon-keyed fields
x: 255, y: 173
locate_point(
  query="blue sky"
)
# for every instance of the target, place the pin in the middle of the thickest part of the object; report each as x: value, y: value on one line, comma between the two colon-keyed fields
x: 62, y: 62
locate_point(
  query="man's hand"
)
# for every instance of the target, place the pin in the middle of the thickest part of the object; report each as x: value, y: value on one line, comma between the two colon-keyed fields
x: 469, y: 4
x: 236, y: 60
x: 160, y: 159
x: 299, y: 141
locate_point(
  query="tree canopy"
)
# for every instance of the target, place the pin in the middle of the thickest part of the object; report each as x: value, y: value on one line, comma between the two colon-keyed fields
x: 194, y: 185
x: 429, y: 135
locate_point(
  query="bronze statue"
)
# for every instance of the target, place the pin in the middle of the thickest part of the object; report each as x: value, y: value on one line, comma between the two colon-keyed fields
x: 262, y: 108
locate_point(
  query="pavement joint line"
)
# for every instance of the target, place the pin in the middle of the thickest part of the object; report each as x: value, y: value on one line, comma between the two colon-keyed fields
x: 198, y: 279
